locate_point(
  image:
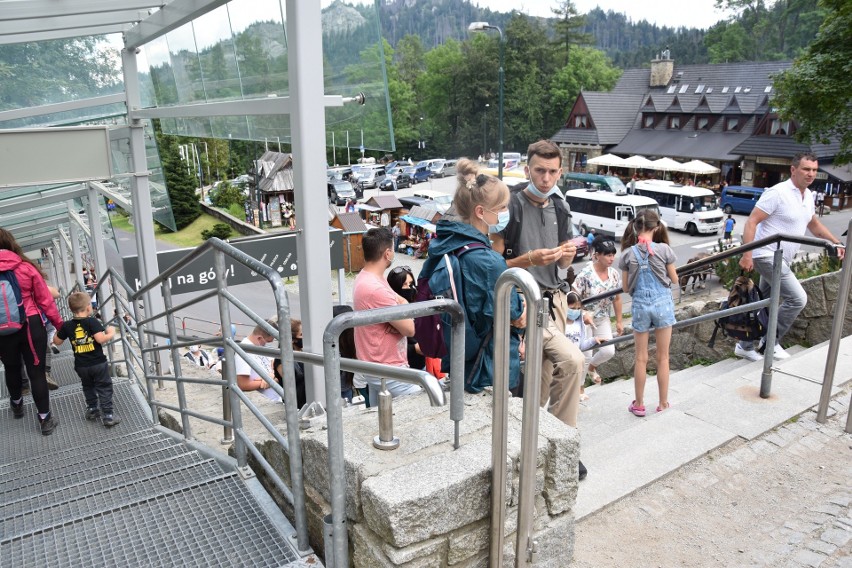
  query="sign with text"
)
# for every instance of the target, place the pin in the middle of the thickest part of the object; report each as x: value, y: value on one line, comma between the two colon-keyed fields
x: 277, y: 251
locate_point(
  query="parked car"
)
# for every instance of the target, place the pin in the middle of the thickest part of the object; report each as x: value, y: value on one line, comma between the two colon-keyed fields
x: 387, y: 184
x: 372, y: 177
x: 418, y: 173
x: 339, y: 191
x: 739, y: 199
x: 444, y: 168
x: 402, y: 180
x: 581, y: 243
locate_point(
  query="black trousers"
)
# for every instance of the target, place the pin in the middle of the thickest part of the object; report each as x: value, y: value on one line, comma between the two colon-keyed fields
x: 97, y: 386
x: 23, y: 349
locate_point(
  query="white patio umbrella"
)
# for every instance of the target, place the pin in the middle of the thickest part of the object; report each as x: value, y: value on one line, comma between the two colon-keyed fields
x: 609, y: 160
x: 634, y: 162
x: 667, y: 165
x: 699, y: 167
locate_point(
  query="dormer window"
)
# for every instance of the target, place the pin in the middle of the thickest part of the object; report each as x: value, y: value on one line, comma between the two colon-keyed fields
x: 702, y: 123
x: 732, y: 124
x: 648, y: 121
x: 674, y: 123
x: 779, y: 127
x: 581, y: 121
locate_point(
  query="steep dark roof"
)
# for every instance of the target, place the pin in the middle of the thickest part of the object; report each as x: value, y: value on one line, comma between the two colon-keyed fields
x: 611, y: 113
x: 783, y: 147
x: 385, y: 202
x: 682, y: 143
x: 352, y: 223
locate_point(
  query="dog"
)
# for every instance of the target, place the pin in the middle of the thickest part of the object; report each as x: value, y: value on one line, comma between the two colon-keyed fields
x: 698, y: 276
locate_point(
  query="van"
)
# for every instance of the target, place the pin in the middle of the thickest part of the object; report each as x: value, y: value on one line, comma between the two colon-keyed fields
x: 371, y: 177
x: 418, y: 173
x: 577, y: 180
x: 444, y: 168
x: 739, y: 199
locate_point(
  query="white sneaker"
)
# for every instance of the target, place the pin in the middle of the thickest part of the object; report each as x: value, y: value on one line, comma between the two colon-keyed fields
x: 749, y: 354
x: 779, y: 352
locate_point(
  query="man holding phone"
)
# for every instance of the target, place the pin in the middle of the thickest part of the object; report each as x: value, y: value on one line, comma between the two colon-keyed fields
x: 540, y: 242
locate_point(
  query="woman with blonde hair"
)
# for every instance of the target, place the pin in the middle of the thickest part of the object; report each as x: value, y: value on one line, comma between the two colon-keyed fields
x: 480, y: 208
x: 29, y: 343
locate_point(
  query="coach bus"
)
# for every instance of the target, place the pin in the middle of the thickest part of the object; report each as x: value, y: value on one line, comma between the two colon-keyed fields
x: 685, y: 208
x: 605, y: 212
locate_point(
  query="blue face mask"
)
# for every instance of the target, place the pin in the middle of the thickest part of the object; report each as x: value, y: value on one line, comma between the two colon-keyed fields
x: 535, y: 191
x: 573, y: 315
x: 502, y: 222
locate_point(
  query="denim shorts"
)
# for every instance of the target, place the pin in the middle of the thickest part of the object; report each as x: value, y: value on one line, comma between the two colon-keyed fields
x: 655, y: 311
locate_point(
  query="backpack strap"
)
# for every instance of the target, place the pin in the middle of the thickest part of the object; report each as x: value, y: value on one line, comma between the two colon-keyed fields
x: 513, y: 229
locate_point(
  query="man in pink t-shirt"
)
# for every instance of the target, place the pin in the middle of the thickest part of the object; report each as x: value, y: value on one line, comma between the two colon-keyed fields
x: 382, y: 342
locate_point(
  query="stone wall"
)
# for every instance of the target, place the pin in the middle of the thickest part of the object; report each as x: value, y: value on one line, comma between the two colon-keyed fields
x: 812, y: 327
x: 427, y: 504
x: 241, y: 227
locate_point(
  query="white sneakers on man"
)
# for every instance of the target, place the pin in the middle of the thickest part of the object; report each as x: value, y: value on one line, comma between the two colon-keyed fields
x: 779, y: 353
x: 749, y: 354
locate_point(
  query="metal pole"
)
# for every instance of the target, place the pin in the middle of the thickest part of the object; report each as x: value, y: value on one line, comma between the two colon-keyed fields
x: 537, y: 317
x: 228, y: 369
x: 181, y: 392
x: 333, y: 150
x: 341, y: 285
x: 836, y: 333
x: 774, y: 297
x: 500, y: 125
x: 348, y: 155
x: 76, y: 253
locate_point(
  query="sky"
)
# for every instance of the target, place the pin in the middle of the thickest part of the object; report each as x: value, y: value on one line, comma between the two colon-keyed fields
x: 672, y: 13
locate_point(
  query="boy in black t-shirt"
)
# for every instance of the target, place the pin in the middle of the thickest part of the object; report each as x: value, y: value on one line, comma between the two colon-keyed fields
x: 87, y: 334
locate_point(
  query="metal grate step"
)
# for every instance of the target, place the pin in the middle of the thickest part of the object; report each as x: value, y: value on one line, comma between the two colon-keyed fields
x: 215, y: 524
x: 70, y: 480
x: 31, y: 516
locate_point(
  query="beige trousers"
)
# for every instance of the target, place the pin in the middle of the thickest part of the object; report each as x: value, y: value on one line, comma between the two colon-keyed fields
x: 562, y: 367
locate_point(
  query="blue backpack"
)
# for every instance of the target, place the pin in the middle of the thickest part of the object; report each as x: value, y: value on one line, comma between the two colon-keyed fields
x: 12, y: 313
x: 439, y: 278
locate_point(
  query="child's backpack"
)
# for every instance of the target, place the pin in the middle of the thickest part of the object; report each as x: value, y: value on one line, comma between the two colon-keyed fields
x: 12, y: 313
x: 439, y: 278
x: 747, y: 326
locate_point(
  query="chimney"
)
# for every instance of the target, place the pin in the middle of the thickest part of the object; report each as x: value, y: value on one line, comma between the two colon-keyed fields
x: 662, y: 69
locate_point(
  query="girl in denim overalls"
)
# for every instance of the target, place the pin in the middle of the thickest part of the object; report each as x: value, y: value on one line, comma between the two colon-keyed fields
x: 648, y: 263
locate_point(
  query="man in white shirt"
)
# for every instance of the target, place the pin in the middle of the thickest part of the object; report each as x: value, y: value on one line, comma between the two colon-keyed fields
x: 786, y: 208
x: 247, y: 378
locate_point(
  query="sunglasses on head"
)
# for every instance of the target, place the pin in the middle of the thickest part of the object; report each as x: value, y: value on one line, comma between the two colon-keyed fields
x: 399, y: 269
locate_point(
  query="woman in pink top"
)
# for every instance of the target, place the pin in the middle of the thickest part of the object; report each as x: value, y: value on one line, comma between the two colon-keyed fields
x: 28, y: 345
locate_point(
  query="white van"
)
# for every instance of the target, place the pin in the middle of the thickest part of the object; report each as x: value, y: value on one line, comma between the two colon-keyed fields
x: 444, y: 168
x: 685, y: 208
x: 371, y: 178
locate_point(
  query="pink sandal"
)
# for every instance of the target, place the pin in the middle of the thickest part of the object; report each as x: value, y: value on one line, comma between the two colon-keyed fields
x: 661, y: 407
x: 636, y: 410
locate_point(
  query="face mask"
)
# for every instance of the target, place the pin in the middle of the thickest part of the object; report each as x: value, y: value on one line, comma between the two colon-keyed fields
x: 573, y: 314
x: 502, y: 222
x: 409, y: 293
x: 297, y: 343
x: 535, y: 191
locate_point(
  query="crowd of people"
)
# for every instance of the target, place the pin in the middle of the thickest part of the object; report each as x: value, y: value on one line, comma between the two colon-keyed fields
x: 527, y: 228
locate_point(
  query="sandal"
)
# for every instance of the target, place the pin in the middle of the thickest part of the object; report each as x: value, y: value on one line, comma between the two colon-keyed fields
x: 661, y: 407
x: 596, y: 378
x: 583, y: 397
x: 636, y: 410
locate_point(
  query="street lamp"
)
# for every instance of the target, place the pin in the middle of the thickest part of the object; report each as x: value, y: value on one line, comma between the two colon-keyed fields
x: 481, y: 27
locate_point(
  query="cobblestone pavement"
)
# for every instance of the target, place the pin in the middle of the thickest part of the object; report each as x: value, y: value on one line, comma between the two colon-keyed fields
x: 784, y: 499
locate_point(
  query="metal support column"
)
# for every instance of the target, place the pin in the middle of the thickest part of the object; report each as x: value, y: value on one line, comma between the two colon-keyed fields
x: 772, y: 326
x: 141, y: 194
x: 98, y: 251
x: 307, y: 121
x: 76, y: 253
x: 63, y: 258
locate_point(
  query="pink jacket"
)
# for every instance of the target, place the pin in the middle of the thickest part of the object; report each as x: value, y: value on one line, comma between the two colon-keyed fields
x: 37, y: 297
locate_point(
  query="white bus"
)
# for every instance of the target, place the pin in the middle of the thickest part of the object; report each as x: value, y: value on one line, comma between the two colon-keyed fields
x: 605, y: 212
x: 685, y: 208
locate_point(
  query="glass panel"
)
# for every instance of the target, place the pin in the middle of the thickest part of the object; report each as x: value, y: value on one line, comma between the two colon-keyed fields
x: 240, y: 51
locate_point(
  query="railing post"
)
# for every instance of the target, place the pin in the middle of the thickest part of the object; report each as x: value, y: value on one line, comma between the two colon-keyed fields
x: 176, y: 366
x: 385, y: 440
x: 836, y: 333
x: 228, y: 369
x: 537, y: 317
x: 772, y: 327
x: 144, y: 340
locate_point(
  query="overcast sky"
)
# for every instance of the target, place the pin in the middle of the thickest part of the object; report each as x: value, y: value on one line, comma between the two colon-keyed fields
x: 673, y: 13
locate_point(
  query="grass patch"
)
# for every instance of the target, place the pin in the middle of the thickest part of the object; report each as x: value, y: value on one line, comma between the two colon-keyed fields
x: 187, y: 237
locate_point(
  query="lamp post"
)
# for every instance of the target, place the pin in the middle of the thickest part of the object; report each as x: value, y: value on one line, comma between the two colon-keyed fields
x: 485, y: 131
x: 479, y: 27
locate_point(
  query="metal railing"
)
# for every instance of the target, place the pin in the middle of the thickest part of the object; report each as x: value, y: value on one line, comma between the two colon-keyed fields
x: 771, y: 302
x: 538, y: 314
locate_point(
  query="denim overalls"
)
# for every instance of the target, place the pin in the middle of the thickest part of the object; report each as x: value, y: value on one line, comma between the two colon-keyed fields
x: 652, y: 301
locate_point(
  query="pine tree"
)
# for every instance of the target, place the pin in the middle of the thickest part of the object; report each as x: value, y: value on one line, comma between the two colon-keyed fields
x: 180, y: 184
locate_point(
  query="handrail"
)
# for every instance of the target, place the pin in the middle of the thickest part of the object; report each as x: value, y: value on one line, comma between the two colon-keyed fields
x: 331, y: 355
x: 772, y: 302
x: 538, y: 313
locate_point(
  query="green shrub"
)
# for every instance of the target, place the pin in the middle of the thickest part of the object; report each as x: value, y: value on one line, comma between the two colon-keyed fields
x: 237, y: 210
x: 226, y: 195
x: 727, y: 270
x: 219, y: 230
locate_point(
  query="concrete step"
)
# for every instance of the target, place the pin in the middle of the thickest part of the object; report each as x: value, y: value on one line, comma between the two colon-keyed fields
x: 711, y: 406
